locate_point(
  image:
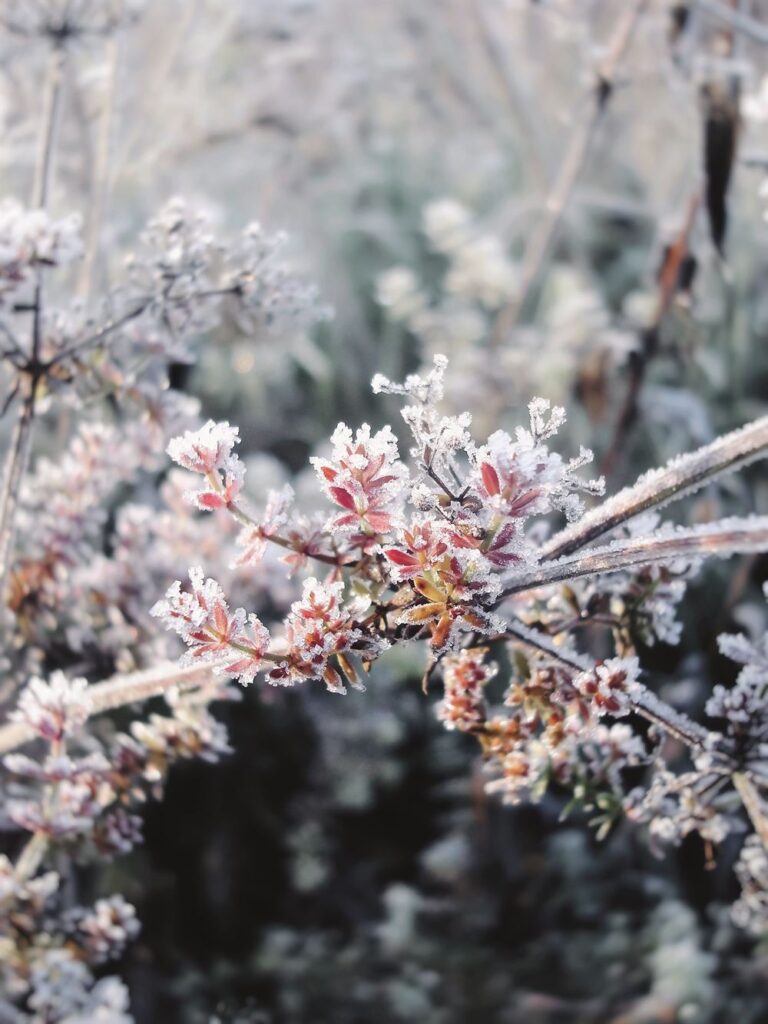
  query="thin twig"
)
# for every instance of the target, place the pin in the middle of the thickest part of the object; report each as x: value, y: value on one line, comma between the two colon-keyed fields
x: 30, y: 857
x: 501, y: 65
x: 724, y: 538
x: 577, y: 151
x: 115, y: 693
x: 669, y: 280
x: 753, y: 805
x: 21, y: 443
x: 682, y: 476
x: 645, y: 703
x: 751, y: 28
x: 101, y: 179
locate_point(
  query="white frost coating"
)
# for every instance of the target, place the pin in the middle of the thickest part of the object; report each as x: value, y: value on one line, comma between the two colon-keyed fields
x: 516, y: 630
x: 680, y: 477
x: 116, y: 692
x: 643, y: 700
x: 656, y: 710
x: 724, y: 538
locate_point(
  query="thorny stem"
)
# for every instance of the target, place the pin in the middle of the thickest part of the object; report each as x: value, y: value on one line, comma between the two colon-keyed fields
x: 18, y: 455
x: 579, y: 146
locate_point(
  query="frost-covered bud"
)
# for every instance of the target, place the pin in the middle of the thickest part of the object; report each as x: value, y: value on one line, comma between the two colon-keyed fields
x: 234, y: 643
x: 320, y: 630
x: 364, y: 477
x: 191, y: 732
x: 610, y: 685
x: 519, y: 478
x: 610, y: 749
x: 397, y: 290
x: 446, y: 224
x: 750, y: 911
x: 116, y: 832
x: 277, y: 517
x: 513, y: 481
x: 465, y: 676
x: 29, y: 898
x: 427, y: 390
x: 60, y: 984
x: 180, y: 248
x: 743, y: 705
x: 30, y: 240
x: 208, y: 451
x: 72, y: 815
x: 205, y: 450
x: 63, y: 991
x: 104, y: 931
x: 266, y: 286
x: 673, y: 808
x: 59, y: 768
x: 481, y: 272
x: 53, y: 709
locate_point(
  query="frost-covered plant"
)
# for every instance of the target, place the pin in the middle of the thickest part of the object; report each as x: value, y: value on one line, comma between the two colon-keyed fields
x: 454, y: 546
x: 85, y: 375
x: 532, y: 625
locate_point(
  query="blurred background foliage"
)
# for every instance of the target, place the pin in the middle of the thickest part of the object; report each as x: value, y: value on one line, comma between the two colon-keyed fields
x: 344, y: 864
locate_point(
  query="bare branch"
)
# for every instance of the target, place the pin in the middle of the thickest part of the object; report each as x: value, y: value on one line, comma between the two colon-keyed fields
x: 724, y: 538
x: 753, y: 804
x: 116, y: 692
x: 679, y: 478
x: 21, y: 443
x: 578, y: 149
x: 735, y: 19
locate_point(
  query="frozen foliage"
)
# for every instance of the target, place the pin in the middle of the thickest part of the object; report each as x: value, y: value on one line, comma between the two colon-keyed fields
x: 84, y: 549
x: 468, y: 543
x: 450, y: 546
x: 31, y: 240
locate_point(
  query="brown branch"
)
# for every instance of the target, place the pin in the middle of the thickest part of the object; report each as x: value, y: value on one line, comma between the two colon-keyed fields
x: 18, y: 455
x: 753, y: 804
x: 649, y: 339
x: 577, y: 151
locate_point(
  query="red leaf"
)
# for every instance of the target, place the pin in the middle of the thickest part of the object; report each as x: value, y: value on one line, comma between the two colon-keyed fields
x: 380, y: 521
x: 400, y: 557
x: 210, y: 500
x: 490, y: 479
x: 343, y: 498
